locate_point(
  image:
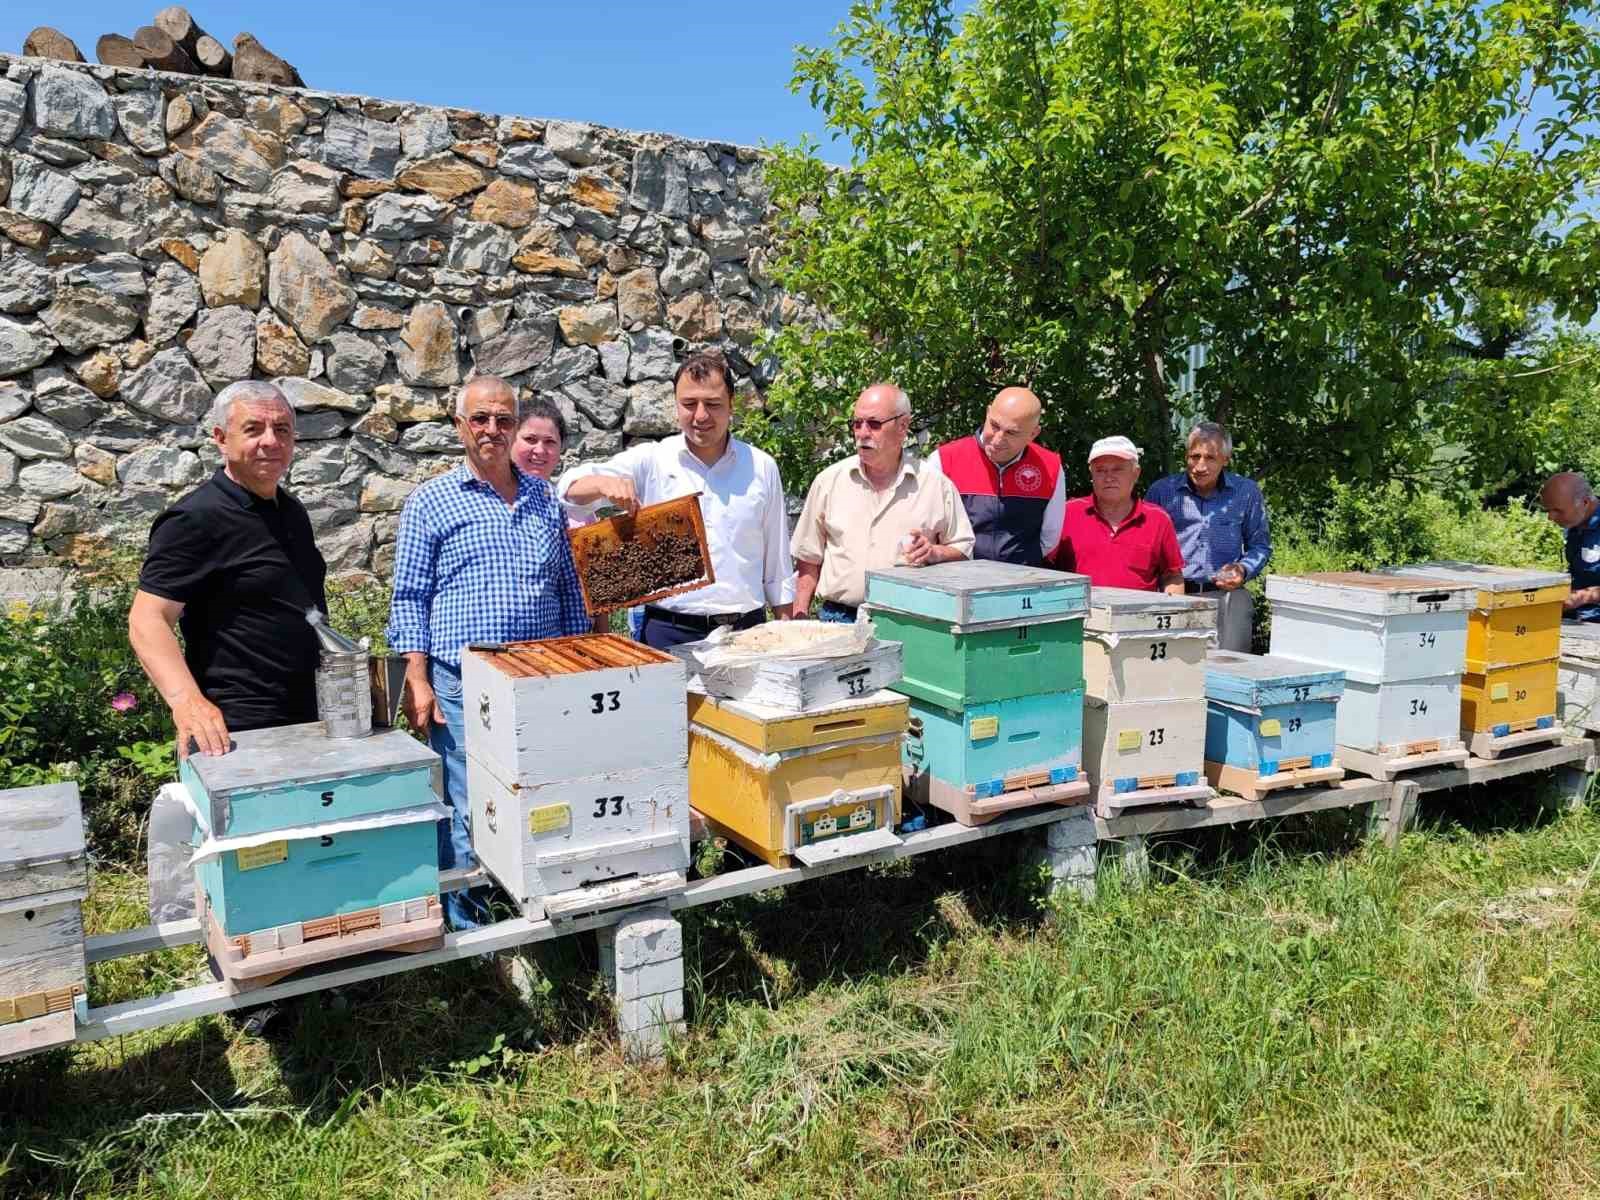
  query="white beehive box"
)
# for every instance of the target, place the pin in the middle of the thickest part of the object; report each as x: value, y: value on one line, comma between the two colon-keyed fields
x: 577, y: 771
x: 797, y: 666
x: 566, y: 708
x: 1401, y: 642
x: 1375, y: 628
x: 43, y: 881
x: 1144, y: 745
x: 1146, y: 645
x: 1578, y: 677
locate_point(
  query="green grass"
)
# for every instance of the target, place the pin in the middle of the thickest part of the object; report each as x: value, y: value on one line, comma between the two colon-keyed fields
x: 1286, y: 1011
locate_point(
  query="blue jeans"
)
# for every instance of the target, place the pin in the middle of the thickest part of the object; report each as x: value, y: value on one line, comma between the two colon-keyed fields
x: 463, y: 909
x: 837, y: 614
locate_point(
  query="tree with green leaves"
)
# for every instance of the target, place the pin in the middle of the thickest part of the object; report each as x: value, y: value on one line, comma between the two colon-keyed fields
x: 1374, y: 216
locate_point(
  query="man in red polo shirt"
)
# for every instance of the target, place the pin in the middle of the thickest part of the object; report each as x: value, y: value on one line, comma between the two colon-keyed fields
x: 1114, y: 538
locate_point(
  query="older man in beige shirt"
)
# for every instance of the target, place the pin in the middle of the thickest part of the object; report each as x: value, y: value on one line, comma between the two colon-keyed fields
x: 881, y: 507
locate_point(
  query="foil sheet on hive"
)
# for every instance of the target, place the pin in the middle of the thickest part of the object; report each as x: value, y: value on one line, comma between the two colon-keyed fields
x: 795, y: 666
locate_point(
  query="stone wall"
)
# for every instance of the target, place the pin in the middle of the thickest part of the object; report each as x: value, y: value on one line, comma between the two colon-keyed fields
x: 163, y: 235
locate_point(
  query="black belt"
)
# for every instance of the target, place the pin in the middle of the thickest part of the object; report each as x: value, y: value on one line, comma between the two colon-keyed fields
x: 1193, y: 588
x: 704, y: 623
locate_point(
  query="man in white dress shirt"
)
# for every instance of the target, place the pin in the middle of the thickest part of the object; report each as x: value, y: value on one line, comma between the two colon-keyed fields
x: 741, y: 501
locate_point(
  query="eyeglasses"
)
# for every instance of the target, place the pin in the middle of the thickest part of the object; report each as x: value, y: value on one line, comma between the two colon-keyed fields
x: 480, y: 420
x: 873, y: 423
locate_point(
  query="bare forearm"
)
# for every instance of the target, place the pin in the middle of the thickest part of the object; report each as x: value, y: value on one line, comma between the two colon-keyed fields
x: 156, y: 646
x: 1172, y: 584
x: 805, y: 586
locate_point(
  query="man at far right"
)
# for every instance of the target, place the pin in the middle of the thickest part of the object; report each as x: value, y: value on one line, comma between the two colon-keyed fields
x: 1222, y: 527
x: 1570, y: 502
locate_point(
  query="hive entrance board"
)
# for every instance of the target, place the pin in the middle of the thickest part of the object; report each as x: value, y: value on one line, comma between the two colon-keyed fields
x: 656, y: 552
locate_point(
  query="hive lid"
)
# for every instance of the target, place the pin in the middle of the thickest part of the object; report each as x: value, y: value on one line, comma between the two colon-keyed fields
x: 978, y: 593
x: 1484, y: 577
x: 1580, y: 639
x: 976, y: 575
x: 571, y: 655
x: 1246, y: 679
x: 1368, y: 592
x: 1130, y: 609
x: 293, y: 754
x: 40, y: 825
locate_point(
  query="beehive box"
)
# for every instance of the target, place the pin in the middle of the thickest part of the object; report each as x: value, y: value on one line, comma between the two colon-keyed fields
x: 998, y: 755
x: 44, y: 878
x: 1578, y: 679
x: 976, y: 631
x: 809, y: 787
x: 1270, y: 722
x: 577, y: 770
x: 1401, y: 643
x: 595, y: 548
x: 313, y: 847
x: 1146, y: 645
x: 785, y: 676
x: 1376, y: 628
x: 1145, y: 750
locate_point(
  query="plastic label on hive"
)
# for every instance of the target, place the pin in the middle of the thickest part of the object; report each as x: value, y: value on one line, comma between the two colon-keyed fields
x: 1271, y: 727
x: 261, y: 856
x: 550, y: 816
x: 1129, y: 739
x: 984, y: 727
x: 1499, y: 691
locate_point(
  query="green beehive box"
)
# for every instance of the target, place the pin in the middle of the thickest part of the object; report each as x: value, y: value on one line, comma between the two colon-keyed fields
x: 1026, y: 638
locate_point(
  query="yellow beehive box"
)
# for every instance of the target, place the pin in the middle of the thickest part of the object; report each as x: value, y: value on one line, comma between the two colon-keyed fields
x: 1516, y: 615
x: 798, y: 786
x: 1506, y: 700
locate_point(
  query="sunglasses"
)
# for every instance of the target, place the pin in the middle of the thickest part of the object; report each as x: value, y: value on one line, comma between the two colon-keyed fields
x: 497, y: 420
x: 873, y: 423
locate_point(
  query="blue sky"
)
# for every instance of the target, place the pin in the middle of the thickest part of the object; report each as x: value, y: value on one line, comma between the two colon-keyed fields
x: 717, y: 69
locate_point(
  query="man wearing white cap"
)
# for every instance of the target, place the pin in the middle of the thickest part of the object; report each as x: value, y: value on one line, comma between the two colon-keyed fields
x: 1114, y: 538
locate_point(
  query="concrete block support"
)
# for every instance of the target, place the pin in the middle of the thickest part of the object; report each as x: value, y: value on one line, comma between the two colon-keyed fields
x: 1388, y: 820
x: 1069, y: 853
x: 1131, y: 854
x: 641, y: 959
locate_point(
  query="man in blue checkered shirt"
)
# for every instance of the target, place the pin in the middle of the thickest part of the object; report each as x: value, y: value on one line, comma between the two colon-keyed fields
x: 481, y: 556
x: 1222, y: 530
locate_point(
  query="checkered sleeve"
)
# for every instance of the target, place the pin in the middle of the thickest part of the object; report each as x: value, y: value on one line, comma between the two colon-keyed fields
x: 1256, y: 531
x: 415, y: 555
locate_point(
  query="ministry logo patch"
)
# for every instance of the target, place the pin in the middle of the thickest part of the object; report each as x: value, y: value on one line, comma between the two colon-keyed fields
x: 1029, y: 478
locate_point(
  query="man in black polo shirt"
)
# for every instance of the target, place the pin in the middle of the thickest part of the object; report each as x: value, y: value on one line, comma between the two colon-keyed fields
x: 234, y: 565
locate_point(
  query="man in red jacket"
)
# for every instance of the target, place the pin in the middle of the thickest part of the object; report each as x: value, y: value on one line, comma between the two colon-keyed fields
x: 1112, y: 536
x: 1013, y: 489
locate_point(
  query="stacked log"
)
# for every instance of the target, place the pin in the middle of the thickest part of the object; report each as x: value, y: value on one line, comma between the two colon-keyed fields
x: 45, y: 42
x: 174, y: 41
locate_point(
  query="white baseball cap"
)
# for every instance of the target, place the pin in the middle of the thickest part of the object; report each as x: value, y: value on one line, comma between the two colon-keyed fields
x: 1114, y: 447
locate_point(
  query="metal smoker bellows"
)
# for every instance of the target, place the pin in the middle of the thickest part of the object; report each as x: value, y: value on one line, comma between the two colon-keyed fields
x: 344, y: 683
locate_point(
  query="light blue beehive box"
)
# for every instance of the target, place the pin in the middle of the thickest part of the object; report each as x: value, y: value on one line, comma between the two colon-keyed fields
x: 1266, y: 714
x: 294, y: 815
x: 988, y: 748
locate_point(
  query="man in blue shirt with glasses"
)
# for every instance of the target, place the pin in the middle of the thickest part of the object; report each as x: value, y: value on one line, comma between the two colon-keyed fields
x: 481, y: 556
x: 1222, y: 527
x: 1570, y: 502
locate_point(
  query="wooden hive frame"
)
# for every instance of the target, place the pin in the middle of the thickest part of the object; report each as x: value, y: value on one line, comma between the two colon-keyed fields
x: 678, y: 516
x: 571, y: 655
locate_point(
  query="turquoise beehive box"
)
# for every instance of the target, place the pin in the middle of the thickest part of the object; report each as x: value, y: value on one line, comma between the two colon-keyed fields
x: 309, y: 847
x: 1270, y: 717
